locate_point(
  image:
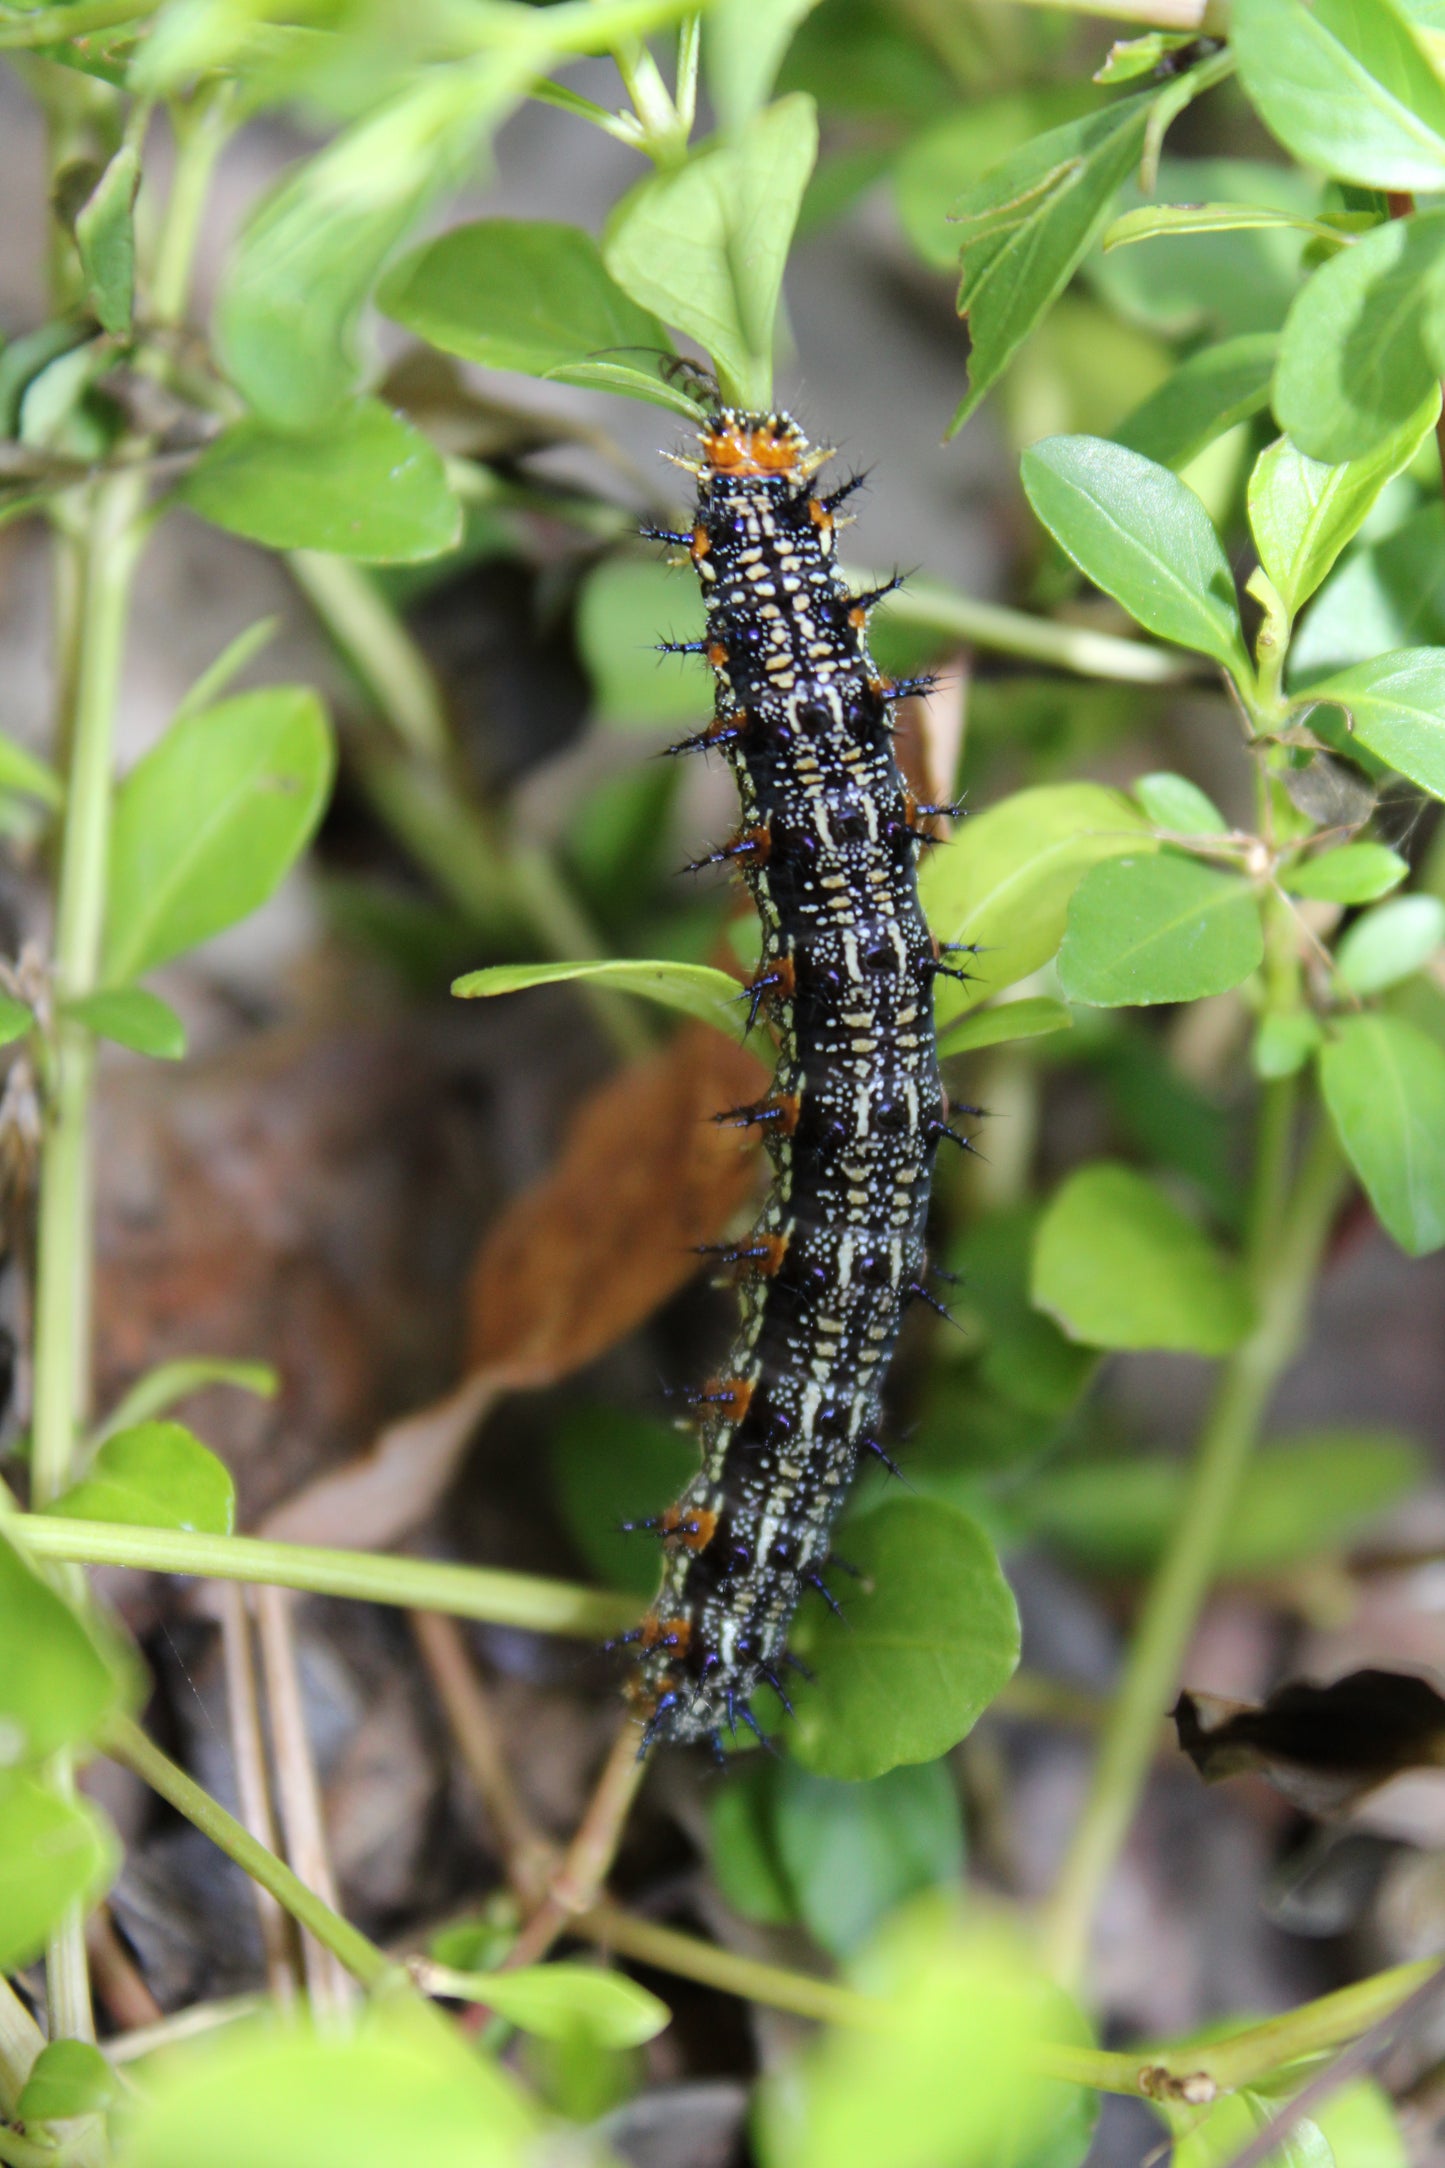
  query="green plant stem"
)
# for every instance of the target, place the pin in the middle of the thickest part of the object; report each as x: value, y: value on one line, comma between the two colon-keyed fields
x: 991, y: 625
x: 202, y: 131
x: 1284, y: 1256
x: 378, y: 648
x: 107, y: 547
x: 505, y: 1599
x: 1147, y: 2072
x: 108, y: 551
x: 126, y: 1743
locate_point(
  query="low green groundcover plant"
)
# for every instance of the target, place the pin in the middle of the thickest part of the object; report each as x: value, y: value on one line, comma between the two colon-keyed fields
x: 1238, y: 493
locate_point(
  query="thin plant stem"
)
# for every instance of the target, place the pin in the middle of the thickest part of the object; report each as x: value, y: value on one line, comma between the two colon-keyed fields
x: 527, y: 1855
x: 108, y: 546
x: 482, y: 1592
x: 1283, y: 1262
x: 248, y: 1751
x: 20, y: 2042
x: 575, y: 1886
x: 378, y: 647
x: 202, y: 131
x: 298, y: 1792
x: 125, y: 1742
x: 202, y: 2017
x: 933, y: 607
x: 1148, y: 2073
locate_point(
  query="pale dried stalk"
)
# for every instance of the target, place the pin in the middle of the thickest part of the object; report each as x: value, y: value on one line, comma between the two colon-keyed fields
x: 248, y: 1748
x: 299, y: 1795
x: 527, y: 1855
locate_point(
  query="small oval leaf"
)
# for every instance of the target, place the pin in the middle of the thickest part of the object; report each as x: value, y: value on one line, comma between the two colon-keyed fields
x: 696, y: 989
x: 1167, y: 928
x: 210, y: 820
x: 931, y: 1635
x: 132, y: 1017
x: 1117, y: 1264
x: 155, y: 1475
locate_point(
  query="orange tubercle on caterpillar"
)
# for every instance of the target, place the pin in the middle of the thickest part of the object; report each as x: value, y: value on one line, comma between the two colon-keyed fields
x: 778, y: 979
x: 692, y: 1527
x: 732, y: 1395
x: 666, y: 1633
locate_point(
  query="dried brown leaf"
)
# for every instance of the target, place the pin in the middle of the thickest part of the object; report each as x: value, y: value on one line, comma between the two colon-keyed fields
x: 645, y: 1174
x: 1322, y: 1746
x: 572, y: 1265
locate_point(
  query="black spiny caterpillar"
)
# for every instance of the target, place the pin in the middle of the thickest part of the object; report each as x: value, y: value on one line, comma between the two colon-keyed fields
x: 828, y: 844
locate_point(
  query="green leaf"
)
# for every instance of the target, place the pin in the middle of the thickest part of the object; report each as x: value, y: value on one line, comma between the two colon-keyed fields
x: 561, y: 2002
x: 132, y: 1018
x: 930, y: 1637
x: 530, y: 296
x: 696, y: 989
x: 1284, y: 1042
x: 1354, y: 362
x: 365, y: 484
x: 704, y: 246
x: 1034, y: 1018
x: 154, y: 1475
x: 624, y: 605
x: 1015, y: 1352
x: 1141, y: 535
x: 853, y: 1852
x: 307, y: 259
x: 167, y: 1383
x: 1006, y: 878
x: 611, y: 1468
x: 1216, y: 284
x: 1384, y: 1086
x: 1302, y: 512
x: 1396, y: 706
x: 743, y: 43
x: 951, y: 2075
x: 15, y: 1019
x: 1153, y: 219
x: 21, y: 771
x: 1207, y: 395
x: 1117, y: 1264
x: 1025, y: 228
x: 105, y: 237
x: 54, y: 1853
x: 1357, y: 2128
x: 1302, y: 1497
x: 67, y: 2078
x: 1174, y: 803
x: 56, y: 1685
x: 393, y: 2091
x: 1166, y: 928
x: 1390, y: 943
x: 942, y: 161
x: 1203, y: 399
x: 1346, y: 87
x: 210, y: 821
x: 206, y: 690
x: 742, y: 1843
x: 1387, y: 594
x: 1356, y: 873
